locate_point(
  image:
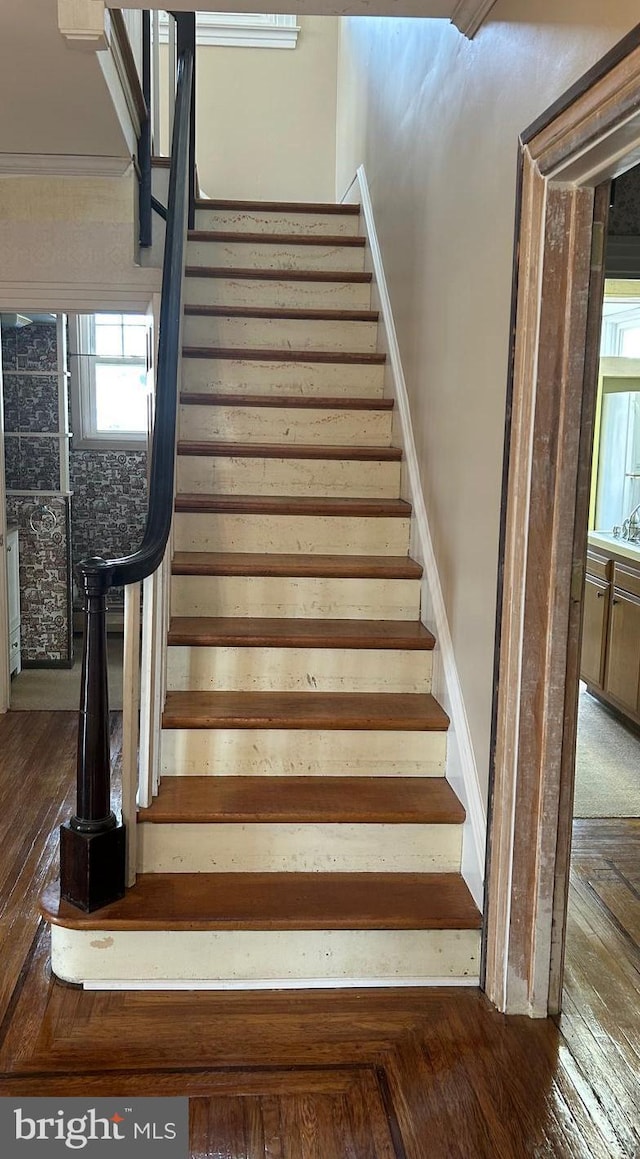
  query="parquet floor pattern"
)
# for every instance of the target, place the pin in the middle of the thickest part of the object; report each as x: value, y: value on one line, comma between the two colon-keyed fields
x: 384, y: 1074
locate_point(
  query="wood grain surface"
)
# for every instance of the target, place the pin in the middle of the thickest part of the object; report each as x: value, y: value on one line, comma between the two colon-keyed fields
x: 366, y: 1074
x: 317, y: 800
x: 283, y: 564
x: 257, y: 632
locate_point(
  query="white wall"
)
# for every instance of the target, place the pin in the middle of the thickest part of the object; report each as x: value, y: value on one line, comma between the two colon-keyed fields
x: 435, y: 119
x: 54, y: 99
x: 266, y: 118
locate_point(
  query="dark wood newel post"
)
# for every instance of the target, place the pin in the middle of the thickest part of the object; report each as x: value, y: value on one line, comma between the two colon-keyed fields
x: 92, y: 843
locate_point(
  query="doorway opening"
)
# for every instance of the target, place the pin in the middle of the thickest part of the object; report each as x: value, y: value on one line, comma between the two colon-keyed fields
x: 75, y: 407
x: 568, y: 159
x: 608, y: 742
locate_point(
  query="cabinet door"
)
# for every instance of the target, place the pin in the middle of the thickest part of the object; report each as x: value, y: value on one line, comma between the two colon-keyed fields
x: 594, y: 631
x: 623, y: 660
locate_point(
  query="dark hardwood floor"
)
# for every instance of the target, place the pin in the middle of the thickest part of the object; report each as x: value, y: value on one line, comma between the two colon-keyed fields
x: 404, y: 1074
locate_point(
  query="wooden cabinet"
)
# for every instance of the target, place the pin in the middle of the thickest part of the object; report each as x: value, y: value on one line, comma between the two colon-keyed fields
x: 594, y: 630
x: 610, y: 659
x: 622, y: 680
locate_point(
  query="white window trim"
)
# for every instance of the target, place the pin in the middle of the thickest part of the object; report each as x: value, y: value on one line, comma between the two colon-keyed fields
x: 83, y: 396
x: 240, y: 29
x: 614, y: 325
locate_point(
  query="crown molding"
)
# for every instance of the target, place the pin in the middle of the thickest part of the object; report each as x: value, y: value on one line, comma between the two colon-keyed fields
x: 468, y: 15
x: 240, y: 30
x: 62, y: 165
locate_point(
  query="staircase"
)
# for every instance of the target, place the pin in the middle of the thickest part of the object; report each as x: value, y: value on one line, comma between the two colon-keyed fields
x: 304, y: 833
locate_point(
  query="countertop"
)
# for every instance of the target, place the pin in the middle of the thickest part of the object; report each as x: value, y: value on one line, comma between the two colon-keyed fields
x: 605, y: 541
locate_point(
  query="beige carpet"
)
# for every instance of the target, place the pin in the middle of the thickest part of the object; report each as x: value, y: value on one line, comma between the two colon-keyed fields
x: 58, y: 689
x: 607, y: 764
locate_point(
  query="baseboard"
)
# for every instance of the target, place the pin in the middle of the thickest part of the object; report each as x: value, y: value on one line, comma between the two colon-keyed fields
x: 282, y: 984
x: 462, y: 771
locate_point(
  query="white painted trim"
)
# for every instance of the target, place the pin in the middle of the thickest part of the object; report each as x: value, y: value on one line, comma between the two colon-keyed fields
x: 63, y: 401
x: 147, y: 737
x: 83, y: 363
x: 468, y: 15
x: 240, y: 29
x: 79, y: 297
x: 120, y: 83
x: 279, y: 984
x: 155, y: 82
x: 461, y: 770
x: 84, y: 23
x: 62, y: 165
x: 122, y: 99
x: 131, y: 722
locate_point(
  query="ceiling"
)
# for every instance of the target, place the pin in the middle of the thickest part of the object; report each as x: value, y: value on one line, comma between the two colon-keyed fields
x: 54, y: 98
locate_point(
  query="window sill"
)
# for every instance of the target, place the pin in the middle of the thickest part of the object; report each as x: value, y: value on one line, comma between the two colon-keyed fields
x: 84, y: 444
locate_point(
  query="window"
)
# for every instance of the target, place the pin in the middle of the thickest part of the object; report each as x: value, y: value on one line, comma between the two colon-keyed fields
x: 109, y: 393
x: 621, y: 328
x: 241, y: 29
x: 616, y: 488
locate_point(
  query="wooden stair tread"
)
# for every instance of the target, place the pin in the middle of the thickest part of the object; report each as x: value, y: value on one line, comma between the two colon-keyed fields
x: 278, y: 901
x: 280, y: 312
x: 249, y: 354
x: 289, y: 451
x: 255, y: 632
x: 271, y: 275
x: 378, y: 711
x: 339, y: 209
x: 293, y: 401
x: 312, y: 800
x: 295, y: 566
x: 293, y: 505
x: 285, y: 239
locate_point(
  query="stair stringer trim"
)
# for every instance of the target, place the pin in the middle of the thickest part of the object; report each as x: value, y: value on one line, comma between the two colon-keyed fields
x: 461, y: 766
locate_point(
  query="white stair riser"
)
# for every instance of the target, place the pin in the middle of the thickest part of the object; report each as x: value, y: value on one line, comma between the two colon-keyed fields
x: 299, y: 596
x: 281, y: 221
x: 279, y: 424
x: 234, y: 669
x: 281, y: 294
x: 286, y: 752
x: 248, y: 376
x: 262, y: 256
x: 317, y: 957
x: 336, y: 478
x: 309, y: 534
x: 298, y: 848
x: 280, y: 333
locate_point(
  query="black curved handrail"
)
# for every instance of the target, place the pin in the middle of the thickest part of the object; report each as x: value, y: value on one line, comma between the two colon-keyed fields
x: 92, y: 843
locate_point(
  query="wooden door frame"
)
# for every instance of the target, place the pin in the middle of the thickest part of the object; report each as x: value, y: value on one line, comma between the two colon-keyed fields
x: 567, y: 159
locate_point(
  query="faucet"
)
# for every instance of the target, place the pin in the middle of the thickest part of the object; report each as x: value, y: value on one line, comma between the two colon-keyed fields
x: 631, y: 526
